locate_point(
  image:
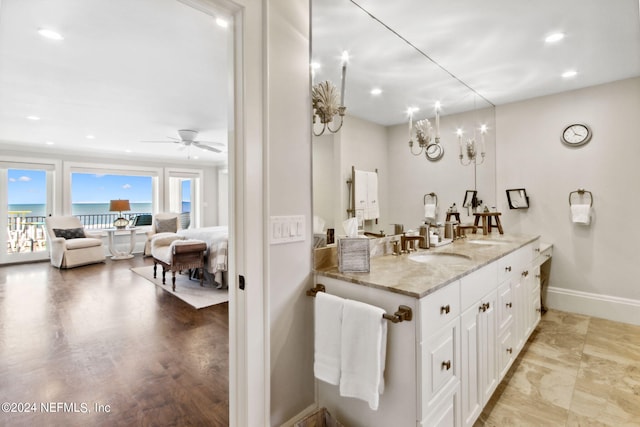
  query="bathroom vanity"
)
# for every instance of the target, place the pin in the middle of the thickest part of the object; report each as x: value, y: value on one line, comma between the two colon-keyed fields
x: 475, y: 303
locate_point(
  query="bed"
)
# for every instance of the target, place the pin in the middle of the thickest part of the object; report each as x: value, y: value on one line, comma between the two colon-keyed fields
x: 217, y: 240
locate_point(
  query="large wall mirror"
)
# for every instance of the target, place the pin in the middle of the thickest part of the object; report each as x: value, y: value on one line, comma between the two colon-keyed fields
x: 375, y: 133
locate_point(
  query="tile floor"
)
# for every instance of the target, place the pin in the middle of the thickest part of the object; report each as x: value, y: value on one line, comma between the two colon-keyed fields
x: 575, y: 371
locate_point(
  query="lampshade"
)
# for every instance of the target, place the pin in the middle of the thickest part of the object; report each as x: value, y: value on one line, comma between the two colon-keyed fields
x: 119, y: 205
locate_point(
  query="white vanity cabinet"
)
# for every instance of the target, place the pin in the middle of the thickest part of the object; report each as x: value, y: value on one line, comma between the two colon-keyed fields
x: 444, y: 365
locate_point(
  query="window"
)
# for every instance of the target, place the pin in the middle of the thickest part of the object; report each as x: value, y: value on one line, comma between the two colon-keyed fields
x: 90, y: 187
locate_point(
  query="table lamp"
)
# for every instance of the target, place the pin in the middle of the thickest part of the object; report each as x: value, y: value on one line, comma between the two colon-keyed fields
x: 119, y: 206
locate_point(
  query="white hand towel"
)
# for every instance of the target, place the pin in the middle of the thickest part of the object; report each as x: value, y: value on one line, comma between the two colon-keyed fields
x: 328, y: 322
x: 430, y: 211
x: 364, y: 345
x: 581, y: 214
x: 372, y: 210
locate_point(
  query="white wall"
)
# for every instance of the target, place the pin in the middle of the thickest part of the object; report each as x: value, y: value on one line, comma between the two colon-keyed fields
x: 598, y: 260
x: 288, y: 175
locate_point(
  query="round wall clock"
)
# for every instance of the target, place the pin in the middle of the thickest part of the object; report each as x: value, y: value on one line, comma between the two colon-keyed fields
x: 576, y: 134
x: 434, y: 152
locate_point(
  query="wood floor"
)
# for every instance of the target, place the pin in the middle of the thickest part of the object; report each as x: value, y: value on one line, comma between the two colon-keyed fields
x: 102, y: 346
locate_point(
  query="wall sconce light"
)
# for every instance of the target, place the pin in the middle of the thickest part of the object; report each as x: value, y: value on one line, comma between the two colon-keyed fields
x: 119, y: 206
x: 324, y: 98
x: 428, y: 138
x: 470, y: 148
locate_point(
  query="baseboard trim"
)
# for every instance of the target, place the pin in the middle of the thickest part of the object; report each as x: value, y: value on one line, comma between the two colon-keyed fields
x: 604, y: 306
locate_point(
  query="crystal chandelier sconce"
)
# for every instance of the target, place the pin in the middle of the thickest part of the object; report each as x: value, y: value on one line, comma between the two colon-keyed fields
x: 470, y: 148
x: 426, y: 136
x: 324, y: 98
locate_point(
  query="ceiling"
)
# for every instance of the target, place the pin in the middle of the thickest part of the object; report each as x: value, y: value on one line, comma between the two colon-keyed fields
x: 469, y: 54
x: 126, y: 71
x: 133, y: 71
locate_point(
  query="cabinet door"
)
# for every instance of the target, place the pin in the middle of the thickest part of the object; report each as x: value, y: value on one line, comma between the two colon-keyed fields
x: 488, y: 346
x: 505, y: 306
x: 438, y: 368
x: 506, y: 352
x: 470, y: 391
x: 446, y: 413
x: 479, y: 366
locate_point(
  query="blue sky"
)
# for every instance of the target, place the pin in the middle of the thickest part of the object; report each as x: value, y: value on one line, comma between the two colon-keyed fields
x: 92, y: 188
x: 28, y: 187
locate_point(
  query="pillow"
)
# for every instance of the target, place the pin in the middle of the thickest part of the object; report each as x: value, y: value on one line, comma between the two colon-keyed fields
x: 166, y: 225
x: 69, y: 233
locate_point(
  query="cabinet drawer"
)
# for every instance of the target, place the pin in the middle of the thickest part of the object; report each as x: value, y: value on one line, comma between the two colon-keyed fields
x: 439, y: 308
x: 477, y: 284
x: 438, y: 365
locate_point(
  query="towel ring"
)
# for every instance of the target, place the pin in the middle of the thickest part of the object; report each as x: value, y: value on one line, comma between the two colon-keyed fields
x: 581, y: 192
x: 432, y: 195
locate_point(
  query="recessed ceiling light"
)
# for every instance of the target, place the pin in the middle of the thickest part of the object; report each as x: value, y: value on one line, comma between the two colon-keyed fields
x: 91, y: 137
x: 376, y: 91
x: 569, y: 74
x: 49, y: 142
x: 222, y: 22
x: 555, y: 37
x: 315, y: 65
x: 50, y: 34
x: 33, y: 118
x: 127, y: 151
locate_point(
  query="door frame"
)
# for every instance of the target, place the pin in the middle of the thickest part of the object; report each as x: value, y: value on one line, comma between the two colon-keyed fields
x: 50, y: 166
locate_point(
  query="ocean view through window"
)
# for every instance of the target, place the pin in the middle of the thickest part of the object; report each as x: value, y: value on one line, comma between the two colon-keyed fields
x: 91, y: 193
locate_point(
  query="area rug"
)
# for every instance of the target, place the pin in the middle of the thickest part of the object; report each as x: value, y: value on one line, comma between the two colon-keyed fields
x: 187, y: 290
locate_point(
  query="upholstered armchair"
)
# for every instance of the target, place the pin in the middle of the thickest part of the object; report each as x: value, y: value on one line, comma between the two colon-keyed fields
x: 70, y: 245
x: 163, y: 224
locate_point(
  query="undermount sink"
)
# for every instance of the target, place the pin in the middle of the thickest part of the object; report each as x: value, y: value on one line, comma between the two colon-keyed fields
x: 440, y: 258
x: 486, y: 242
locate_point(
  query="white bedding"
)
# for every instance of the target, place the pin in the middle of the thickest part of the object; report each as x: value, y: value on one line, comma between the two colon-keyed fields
x: 217, y: 240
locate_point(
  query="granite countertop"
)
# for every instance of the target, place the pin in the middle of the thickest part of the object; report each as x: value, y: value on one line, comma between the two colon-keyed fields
x: 402, y: 275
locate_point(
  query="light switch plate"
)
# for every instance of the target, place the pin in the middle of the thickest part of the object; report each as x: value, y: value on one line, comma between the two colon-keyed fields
x: 286, y: 229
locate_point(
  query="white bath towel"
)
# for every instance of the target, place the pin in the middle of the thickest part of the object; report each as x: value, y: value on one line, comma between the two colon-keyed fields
x: 430, y: 211
x: 327, y: 342
x: 581, y: 214
x: 372, y: 210
x: 364, y: 345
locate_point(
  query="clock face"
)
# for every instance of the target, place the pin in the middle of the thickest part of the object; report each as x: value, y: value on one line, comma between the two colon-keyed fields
x: 576, y: 134
x: 434, y: 152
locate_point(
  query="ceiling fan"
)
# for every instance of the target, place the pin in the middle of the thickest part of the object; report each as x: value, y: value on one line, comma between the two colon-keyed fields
x: 188, y: 139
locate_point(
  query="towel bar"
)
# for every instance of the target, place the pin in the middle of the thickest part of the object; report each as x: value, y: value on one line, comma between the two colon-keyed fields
x: 581, y: 192
x: 404, y: 313
x: 433, y: 195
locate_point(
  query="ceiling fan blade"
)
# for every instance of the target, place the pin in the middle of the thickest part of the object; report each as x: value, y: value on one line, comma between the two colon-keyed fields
x: 205, y: 147
x: 211, y: 143
x: 165, y: 142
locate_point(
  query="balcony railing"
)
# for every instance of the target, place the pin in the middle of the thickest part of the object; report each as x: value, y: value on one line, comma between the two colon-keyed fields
x: 27, y: 233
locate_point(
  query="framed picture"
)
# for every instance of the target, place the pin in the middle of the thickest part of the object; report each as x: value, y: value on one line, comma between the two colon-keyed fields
x: 469, y: 199
x: 518, y: 198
